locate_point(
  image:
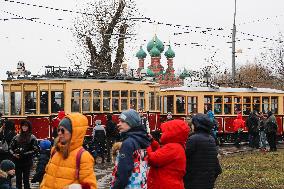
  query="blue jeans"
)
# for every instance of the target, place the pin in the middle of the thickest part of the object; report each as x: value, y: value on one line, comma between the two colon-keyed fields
x: 262, y: 140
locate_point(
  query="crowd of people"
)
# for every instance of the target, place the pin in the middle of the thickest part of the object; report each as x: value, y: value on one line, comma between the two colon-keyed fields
x: 184, y: 156
x: 262, y: 130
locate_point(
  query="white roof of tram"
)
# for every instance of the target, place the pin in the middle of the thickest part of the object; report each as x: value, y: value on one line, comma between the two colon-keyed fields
x: 223, y: 89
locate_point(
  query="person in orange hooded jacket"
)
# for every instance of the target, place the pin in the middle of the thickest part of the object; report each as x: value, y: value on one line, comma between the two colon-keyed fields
x: 239, y: 125
x: 61, y: 171
x: 168, y: 163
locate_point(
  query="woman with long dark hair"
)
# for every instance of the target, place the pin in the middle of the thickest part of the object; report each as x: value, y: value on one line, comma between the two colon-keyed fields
x: 7, y: 133
x: 22, y: 148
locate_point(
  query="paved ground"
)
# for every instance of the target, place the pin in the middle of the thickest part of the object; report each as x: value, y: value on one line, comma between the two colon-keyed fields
x: 103, y: 171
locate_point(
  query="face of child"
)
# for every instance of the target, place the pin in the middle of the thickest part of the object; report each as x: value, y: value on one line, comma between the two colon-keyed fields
x: 11, y: 172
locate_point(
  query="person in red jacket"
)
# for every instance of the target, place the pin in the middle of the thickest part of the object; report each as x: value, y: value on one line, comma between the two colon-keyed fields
x: 168, y: 163
x: 239, y: 125
x: 55, y: 122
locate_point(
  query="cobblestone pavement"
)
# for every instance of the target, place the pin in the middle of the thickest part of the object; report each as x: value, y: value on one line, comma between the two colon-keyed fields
x: 103, y: 170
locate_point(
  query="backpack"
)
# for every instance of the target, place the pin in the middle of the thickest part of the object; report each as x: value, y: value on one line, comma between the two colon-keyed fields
x: 111, y: 129
x: 271, y: 127
x: 138, y: 177
x: 78, y: 160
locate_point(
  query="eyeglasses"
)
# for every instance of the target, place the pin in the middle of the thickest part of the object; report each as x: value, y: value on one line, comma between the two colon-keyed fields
x: 61, y: 130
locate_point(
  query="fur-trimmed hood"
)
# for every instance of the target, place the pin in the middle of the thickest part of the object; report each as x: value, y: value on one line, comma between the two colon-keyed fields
x: 3, y: 174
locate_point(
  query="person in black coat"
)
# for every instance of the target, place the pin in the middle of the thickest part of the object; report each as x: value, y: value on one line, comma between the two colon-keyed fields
x: 23, y: 147
x: 7, y: 133
x: 43, y: 159
x: 202, y: 164
x: 7, y: 171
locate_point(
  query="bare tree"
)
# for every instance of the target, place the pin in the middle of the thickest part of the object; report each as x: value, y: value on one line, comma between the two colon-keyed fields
x: 102, y: 33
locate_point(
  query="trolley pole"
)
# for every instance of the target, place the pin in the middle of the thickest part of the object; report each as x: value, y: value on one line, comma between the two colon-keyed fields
x: 234, y: 46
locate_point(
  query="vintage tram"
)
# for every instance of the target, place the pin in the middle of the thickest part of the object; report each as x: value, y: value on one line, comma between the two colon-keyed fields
x: 39, y: 99
x: 225, y: 103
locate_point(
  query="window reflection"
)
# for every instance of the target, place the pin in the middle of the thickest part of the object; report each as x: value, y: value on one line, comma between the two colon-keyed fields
x: 43, y: 102
x: 75, y: 101
x: 180, y: 104
x: 30, y: 102
x: 16, y: 102
x: 57, y: 101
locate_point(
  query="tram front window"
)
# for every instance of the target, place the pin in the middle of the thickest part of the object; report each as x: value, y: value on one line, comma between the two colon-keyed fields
x: 44, y: 102
x: 274, y: 105
x: 97, y: 100
x: 106, y: 101
x: 86, y: 101
x: 57, y: 99
x: 115, y: 101
x: 30, y: 102
x: 16, y: 101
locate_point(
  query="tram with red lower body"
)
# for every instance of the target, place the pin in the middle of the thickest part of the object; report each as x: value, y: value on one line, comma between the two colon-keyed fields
x: 39, y: 101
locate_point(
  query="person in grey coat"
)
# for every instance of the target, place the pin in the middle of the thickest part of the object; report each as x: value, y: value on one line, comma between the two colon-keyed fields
x: 202, y: 164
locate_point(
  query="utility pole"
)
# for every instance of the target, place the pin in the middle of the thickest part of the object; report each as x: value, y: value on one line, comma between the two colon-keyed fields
x: 234, y: 46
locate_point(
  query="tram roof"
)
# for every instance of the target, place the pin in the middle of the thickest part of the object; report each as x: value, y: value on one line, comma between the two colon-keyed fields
x: 80, y: 79
x: 224, y: 89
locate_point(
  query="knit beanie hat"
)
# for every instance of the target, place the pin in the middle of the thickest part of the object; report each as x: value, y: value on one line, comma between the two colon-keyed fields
x: 7, y: 165
x: 66, y: 123
x: 45, y: 144
x: 131, y: 117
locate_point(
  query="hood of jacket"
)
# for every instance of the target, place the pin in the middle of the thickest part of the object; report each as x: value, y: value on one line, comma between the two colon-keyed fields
x: 202, y: 122
x: 140, y: 136
x: 239, y: 116
x: 61, y: 115
x: 79, y: 128
x: 175, y: 131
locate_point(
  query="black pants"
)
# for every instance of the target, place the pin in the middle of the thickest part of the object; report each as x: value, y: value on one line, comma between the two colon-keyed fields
x: 110, y: 141
x: 238, y: 138
x: 23, y: 173
x: 271, y: 138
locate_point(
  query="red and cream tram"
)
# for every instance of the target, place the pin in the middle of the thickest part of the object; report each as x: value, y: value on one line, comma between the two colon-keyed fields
x: 39, y: 101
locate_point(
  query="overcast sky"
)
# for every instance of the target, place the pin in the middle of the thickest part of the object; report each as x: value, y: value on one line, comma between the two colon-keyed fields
x: 39, y: 44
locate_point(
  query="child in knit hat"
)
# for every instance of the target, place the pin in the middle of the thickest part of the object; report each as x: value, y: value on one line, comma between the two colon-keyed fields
x: 45, y: 146
x: 7, y: 171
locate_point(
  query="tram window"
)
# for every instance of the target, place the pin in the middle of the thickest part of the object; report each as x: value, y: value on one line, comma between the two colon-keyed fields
x: 124, y: 104
x: 247, y: 100
x: 192, y: 104
x: 75, y: 101
x: 246, y: 109
x: 265, y: 104
x: 133, y: 100
x: 115, y: 101
x: 43, y: 102
x: 124, y: 93
x: 218, y: 104
x: 180, y: 104
x: 152, y: 101
x: 106, y: 101
x: 207, y: 103
x: 30, y: 102
x: 158, y: 101
x: 16, y: 101
x: 168, y: 104
x: 246, y: 105
x: 86, y: 101
x: 141, y: 101
x: 238, y: 105
x: 124, y: 100
x: 227, y: 105
x: 256, y: 104
x: 274, y: 105
x: 96, y: 100
x: 6, y: 103
x: 57, y: 101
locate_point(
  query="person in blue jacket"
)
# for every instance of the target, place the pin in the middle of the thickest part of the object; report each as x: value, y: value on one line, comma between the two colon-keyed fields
x: 135, y: 140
